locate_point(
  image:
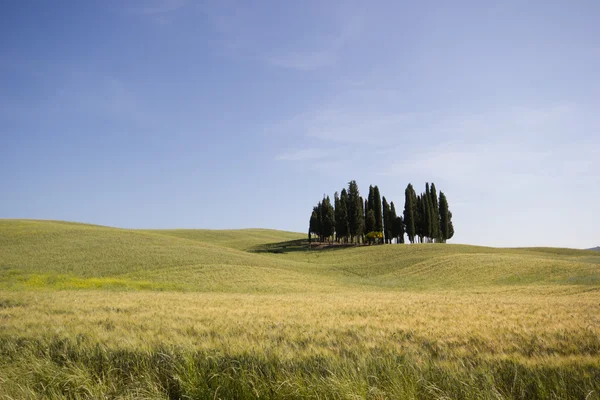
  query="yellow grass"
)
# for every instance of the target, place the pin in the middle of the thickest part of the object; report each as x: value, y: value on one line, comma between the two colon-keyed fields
x: 92, y: 312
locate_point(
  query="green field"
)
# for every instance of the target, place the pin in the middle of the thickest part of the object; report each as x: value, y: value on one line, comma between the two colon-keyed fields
x: 96, y: 312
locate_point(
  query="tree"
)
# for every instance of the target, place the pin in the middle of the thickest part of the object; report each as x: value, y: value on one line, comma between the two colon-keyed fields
x: 376, y: 207
x: 396, y: 231
x: 373, y: 237
x: 446, y: 227
x: 361, y: 232
x: 313, y: 226
x: 355, y: 211
x: 399, y: 229
x: 336, y: 206
x: 387, y: 222
x: 435, y: 210
x: 328, y: 218
x: 409, y: 212
x: 341, y: 217
x: 316, y: 221
x: 369, y: 223
x: 419, y: 218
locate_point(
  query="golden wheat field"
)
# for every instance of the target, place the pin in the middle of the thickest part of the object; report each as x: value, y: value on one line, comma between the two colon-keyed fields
x: 96, y: 312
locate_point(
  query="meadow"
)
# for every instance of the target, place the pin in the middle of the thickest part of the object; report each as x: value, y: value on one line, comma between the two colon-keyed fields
x: 96, y: 312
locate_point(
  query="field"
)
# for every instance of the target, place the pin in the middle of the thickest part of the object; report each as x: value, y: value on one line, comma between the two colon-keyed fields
x: 96, y: 312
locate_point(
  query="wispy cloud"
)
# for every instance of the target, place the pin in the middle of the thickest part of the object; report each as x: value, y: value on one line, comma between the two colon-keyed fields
x: 161, y: 12
x: 157, y: 7
x: 240, y: 32
x: 302, y: 154
x: 502, y: 149
x: 304, y: 61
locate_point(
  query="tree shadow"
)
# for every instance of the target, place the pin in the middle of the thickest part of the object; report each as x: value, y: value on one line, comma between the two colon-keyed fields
x: 300, y: 245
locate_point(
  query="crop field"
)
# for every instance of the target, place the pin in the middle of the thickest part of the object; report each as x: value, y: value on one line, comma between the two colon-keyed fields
x: 95, y: 312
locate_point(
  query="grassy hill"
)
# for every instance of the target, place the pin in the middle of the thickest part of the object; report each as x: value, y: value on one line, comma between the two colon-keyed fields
x: 67, y: 255
x: 96, y: 312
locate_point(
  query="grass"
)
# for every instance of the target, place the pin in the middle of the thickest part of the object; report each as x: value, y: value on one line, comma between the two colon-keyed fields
x: 97, y: 312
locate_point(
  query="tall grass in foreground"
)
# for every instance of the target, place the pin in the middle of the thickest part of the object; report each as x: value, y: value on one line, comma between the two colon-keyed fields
x: 71, y: 368
x: 86, y: 344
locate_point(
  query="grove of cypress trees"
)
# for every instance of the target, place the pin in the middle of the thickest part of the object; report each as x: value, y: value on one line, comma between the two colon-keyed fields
x: 426, y: 217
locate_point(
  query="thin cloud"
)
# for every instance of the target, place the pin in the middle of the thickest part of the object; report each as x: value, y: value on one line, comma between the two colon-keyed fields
x: 158, y: 7
x: 303, y: 154
x: 240, y: 34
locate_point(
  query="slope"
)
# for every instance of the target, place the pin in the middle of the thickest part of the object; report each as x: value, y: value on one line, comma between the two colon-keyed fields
x: 65, y: 255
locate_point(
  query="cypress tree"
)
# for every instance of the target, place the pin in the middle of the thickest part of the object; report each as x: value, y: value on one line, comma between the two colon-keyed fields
x: 369, y: 224
x: 431, y: 220
x: 446, y: 227
x: 341, y: 217
x: 370, y: 219
x: 387, y: 226
x: 313, y: 226
x: 328, y: 214
x: 336, y: 207
x: 435, y: 208
x: 317, y: 224
x: 399, y: 229
x: 355, y: 211
x: 376, y: 207
x: 361, y: 231
x: 393, y: 229
x: 409, y: 212
x: 419, y: 217
x: 444, y: 217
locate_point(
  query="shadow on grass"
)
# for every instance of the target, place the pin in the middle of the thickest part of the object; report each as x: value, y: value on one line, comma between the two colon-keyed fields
x: 300, y: 245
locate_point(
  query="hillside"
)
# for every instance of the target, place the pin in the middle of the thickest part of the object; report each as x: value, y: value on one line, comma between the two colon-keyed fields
x: 65, y: 255
x: 97, y: 312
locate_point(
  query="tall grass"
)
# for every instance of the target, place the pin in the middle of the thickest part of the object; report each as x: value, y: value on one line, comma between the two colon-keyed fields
x: 96, y: 312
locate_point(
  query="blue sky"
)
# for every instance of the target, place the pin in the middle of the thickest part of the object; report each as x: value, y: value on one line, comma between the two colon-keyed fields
x: 224, y: 114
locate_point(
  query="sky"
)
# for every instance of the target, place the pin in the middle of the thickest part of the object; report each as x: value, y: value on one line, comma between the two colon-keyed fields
x: 238, y: 114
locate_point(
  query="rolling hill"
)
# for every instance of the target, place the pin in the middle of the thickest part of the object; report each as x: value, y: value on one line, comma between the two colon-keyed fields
x: 96, y: 312
x: 70, y: 255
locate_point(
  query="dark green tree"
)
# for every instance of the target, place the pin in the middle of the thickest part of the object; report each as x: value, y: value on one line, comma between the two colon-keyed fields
x: 369, y: 224
x: 394, y: 232
x: 410, y: 200
x: 399, y: 229
x: 387, y: 222
x: 419, y: 219
x: 316, y: 223
x: 370, y: 220
x: 355, y: 211
x: 328, y: 218
x: 377, y: 209
x: 341, y: 217
x: 435, y: 209
x: 362, y: 222
x: 446, y: 227
x: 313, y: 227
